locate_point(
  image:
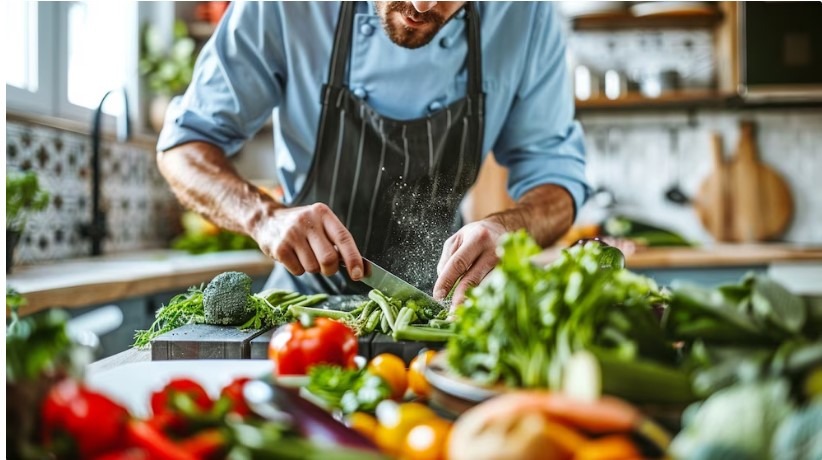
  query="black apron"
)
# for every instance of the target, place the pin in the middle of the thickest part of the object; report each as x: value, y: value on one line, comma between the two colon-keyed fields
x: 396, y: 185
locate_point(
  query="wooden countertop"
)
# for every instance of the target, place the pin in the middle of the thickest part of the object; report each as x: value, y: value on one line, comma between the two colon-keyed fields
x: 719, y: 255
x: 82, y: 282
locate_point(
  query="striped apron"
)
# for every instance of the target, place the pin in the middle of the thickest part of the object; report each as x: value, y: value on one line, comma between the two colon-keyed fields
x: 396, y: 185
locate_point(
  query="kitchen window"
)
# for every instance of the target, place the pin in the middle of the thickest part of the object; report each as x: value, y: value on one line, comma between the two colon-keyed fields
x: 66, y: 55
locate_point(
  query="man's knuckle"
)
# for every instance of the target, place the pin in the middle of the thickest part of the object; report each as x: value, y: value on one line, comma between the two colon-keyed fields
x: 460, y: 265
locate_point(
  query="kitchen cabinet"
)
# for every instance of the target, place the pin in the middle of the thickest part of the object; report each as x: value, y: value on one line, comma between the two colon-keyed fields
x: 726, y: 22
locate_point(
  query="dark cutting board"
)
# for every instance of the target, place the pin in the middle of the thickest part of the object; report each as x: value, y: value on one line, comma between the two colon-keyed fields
x: 203, y: 341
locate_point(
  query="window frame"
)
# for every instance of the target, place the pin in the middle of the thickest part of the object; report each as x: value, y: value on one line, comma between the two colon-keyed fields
x: 51, y: 98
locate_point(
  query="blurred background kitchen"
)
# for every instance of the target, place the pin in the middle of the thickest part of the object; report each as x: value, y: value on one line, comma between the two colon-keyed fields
x: 703, y: 125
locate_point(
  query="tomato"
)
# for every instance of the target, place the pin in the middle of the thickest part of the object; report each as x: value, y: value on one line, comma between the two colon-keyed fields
x: 427, y: 441
x: 234, y: 393
x: 396, y: 420
x: 295, y: 348
x: 168, y: 416
x: 364, y: 423
x: 94, y: 422
x: 416, y: 374
x: 392, y: 370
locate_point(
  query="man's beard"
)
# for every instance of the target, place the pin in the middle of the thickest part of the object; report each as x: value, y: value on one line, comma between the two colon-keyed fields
x: 409, y: 37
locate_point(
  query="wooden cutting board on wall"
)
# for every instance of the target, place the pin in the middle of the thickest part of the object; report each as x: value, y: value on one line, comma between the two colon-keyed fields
x: 712, y: 200
x: 760, y: 199
x: 744, y: 200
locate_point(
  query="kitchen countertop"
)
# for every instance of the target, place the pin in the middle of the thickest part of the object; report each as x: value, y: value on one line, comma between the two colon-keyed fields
x: 709, y: 256
x: 82, y: 282
x: 88, y: 281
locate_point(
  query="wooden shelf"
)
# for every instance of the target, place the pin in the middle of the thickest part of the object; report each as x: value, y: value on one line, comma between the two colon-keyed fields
x: 625, y: 20
x: 674, y: 99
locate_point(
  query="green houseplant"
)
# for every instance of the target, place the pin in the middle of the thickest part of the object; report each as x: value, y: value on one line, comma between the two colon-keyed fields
x: 166, y: 66
x: 23, y: 197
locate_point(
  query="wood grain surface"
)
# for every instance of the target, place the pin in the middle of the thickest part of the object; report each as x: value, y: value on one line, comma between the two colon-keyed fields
x: 761, y: 203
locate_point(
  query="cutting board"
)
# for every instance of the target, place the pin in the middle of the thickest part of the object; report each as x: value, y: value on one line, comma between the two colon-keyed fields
x: 743, y: 200
x: 760, y: 200
x: 203, y: 341
x: 712, y: 200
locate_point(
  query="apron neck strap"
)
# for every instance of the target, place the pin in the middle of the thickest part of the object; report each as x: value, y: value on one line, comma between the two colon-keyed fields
x: 342, y: 47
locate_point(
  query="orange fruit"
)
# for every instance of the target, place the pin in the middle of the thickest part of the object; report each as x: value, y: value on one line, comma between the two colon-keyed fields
x: 395, y: 421
x: 365, y: 424
x: 416, y: 374
x: 427, y: 440
x: 392, y: 370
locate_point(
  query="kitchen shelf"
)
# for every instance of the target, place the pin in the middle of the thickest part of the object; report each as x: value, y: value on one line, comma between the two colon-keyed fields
x: 674, y: 99
x: 692, y: 99
x: 625, y: 20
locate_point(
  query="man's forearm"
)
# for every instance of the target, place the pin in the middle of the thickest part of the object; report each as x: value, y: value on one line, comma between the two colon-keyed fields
x: 204, y: 180
x: 546, y: 212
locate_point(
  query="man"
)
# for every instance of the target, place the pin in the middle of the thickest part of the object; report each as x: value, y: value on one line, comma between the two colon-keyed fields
x: 382, y: 135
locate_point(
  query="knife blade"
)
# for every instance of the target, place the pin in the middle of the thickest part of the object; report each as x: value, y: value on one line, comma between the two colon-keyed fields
x: 392, y: 285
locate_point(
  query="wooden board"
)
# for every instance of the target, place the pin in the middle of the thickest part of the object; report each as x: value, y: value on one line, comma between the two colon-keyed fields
x: 743, y: 200
x: 204, y: 341
x: 761, y: 203
x: 712, y: 199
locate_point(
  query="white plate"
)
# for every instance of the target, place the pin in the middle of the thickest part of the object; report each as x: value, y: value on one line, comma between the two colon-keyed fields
x: 132, y: 384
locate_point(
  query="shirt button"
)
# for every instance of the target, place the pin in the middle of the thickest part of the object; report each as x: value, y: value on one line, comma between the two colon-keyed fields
x: 435, y: 106
x: 367, y: 29
x: 360, y: 93
x: 446, y: 42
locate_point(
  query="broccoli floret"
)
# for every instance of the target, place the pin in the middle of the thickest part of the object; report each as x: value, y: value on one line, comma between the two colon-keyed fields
x: 226, y: 299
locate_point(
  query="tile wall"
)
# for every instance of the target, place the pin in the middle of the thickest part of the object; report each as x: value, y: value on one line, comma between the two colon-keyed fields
x: 639, y: 156
x: 141, y: 211
x: 636, y: 157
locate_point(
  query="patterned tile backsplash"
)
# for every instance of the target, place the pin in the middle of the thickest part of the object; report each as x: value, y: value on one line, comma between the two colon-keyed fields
x: 141, y: 211
x: 640, y: 156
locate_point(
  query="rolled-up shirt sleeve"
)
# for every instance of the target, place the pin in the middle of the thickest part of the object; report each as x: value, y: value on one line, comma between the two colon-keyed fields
x: 238, y: 79
x: 540, y: 142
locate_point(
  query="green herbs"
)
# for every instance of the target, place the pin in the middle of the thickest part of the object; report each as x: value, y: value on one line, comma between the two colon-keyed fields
x: 227, y: 300
x: 523, y: 323
x: 182, y: 309
x: 38, y: 346
x: 23, y: 196
x: 346, y: 389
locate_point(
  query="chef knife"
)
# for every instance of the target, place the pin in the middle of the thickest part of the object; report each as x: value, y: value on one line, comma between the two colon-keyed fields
x: 392, y: 285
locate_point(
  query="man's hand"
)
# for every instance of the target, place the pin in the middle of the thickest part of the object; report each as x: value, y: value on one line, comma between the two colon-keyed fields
x: 304, y: 239
x: 309, y: 239
x: 471, y: 254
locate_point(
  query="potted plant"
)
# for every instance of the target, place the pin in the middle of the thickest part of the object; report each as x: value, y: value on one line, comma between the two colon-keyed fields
x: 167, y: 67
x: 23, y: 197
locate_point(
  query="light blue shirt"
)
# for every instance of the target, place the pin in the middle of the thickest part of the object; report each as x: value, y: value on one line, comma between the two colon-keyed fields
x: 269, y: 57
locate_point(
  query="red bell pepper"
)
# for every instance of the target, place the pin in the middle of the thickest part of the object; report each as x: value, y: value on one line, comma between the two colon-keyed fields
x: 94, y: 422
x: 295, y: 348
x: 234, y: 393
x: 206, y: 444
x: 166, y: 415
x: 147, y: 437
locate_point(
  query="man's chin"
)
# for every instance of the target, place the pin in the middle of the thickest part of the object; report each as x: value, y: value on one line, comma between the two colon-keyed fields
x: 411, y: 39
